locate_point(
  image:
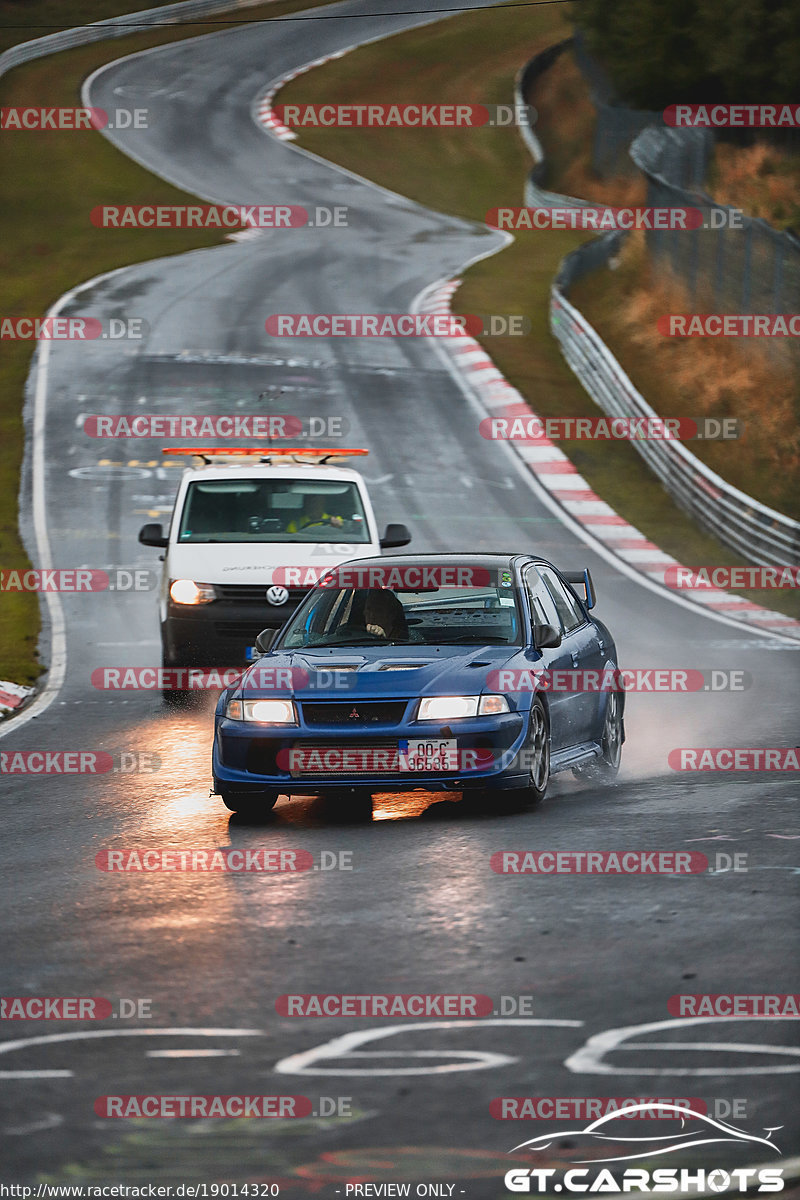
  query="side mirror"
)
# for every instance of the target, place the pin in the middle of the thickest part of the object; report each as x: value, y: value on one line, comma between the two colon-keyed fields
x: 153, y: 535
x: 265, y: 640
x: 547, y: 637
x: 395, y: 535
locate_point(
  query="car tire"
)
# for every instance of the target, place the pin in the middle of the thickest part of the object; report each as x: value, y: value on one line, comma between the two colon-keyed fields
x: 248, y: 804
x: 537, y: 752
x: 604, y: 768
x: 170, y: 662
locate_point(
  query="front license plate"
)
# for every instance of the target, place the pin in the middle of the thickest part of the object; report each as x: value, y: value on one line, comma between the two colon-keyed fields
x: 428, y: 754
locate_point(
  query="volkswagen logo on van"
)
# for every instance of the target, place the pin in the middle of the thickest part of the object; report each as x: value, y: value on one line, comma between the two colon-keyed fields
x: 277, y: 595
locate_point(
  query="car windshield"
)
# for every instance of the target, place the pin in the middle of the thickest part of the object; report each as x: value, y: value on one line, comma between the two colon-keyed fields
x: 273, y: 510
x: 433, y: 616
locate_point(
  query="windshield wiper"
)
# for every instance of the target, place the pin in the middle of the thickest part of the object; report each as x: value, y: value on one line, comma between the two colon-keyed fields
x: 355, y: 641
x: 471, y: 637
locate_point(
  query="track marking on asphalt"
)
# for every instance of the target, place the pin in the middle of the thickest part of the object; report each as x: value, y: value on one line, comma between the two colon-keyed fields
x: 58, y: 635
x: 192, y: 1053
x: 347, y: 1046
x: 50, y: 1039
x: 590, y: 1059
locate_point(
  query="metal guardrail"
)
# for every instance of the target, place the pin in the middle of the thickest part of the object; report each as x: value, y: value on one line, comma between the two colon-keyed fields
x: 760, y: 534
x: 115, y: 27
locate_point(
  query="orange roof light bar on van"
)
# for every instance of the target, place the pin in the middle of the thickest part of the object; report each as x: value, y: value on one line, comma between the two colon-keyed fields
x: 318, y: 454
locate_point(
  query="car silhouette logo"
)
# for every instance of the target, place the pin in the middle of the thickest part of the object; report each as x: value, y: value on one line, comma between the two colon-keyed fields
x: 703, y: 1131
x: 277, y: 594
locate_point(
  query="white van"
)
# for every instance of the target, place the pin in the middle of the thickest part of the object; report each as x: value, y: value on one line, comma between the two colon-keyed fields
x: 250, y: 533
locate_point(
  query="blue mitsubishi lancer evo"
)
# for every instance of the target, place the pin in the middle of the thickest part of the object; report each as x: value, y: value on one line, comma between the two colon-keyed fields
x: 446, y: 672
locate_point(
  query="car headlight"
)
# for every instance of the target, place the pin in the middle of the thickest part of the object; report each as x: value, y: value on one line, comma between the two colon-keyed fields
x: 449, y: 708
x: 186, y: 591
x: 265, y: 712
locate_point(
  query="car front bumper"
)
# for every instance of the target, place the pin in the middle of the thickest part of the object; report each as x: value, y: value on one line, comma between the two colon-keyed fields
x: 248, y: 755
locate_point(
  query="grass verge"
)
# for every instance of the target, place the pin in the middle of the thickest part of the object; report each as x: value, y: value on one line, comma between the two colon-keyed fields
x: 473, y: 58
x: 49, y: 181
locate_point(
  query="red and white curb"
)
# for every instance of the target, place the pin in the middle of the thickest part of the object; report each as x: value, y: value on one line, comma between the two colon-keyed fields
x: 554, y: 471
x: 12, y: 695
x: 263, y: 111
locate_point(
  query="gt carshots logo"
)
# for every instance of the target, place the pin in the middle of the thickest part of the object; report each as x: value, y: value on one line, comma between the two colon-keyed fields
x: 698, y: 1129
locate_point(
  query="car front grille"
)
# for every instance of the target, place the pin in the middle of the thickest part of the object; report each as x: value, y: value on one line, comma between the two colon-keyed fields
x: 255, y: 593
x: 354, y: 713
x: 326, y: 759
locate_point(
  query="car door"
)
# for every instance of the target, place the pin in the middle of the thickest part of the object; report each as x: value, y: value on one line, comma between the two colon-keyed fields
x: 563, y: 729
x: 580, y: 640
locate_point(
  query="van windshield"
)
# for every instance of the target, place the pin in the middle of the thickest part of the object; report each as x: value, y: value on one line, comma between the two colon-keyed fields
x: 273, y: 510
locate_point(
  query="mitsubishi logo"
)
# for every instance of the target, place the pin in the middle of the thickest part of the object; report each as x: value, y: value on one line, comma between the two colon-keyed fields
x: 354, y: 715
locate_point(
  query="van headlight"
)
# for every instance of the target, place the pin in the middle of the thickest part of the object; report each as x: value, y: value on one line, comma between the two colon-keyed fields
x: 186, y: 591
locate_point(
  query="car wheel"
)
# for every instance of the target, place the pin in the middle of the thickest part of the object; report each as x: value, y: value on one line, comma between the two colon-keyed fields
x: 248, y: 804
x: 604, y: 768
x: 537, y: 753
x: 169, y: 662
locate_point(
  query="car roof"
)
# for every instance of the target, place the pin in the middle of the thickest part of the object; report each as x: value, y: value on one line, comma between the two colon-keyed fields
x: 507, y: 560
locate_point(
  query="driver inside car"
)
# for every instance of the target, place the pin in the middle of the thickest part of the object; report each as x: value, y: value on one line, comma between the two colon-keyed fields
x: 313, y: 514
x: 384, y: 615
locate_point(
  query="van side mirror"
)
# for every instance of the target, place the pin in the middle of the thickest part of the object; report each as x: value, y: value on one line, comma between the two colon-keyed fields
x: 153, y: 535
x: 395, y: 535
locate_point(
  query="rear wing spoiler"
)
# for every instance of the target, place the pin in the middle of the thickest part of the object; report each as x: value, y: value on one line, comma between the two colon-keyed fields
x: 582, y: 582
